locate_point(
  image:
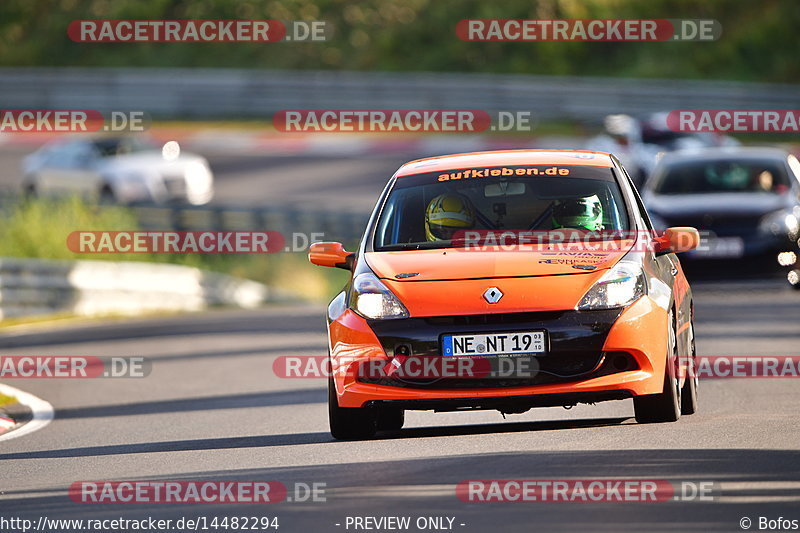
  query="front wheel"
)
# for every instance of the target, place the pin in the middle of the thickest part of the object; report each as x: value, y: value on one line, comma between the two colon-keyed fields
x: 665, y: 406
x: 106, y: 196
x: 391, y: 419
x: 690, y: 385
x: 349, y: 423
x: 29, y: 191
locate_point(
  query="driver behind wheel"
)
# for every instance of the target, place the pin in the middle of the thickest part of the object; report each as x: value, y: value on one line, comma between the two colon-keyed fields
x: 578, y: 213
x: 447, y: 214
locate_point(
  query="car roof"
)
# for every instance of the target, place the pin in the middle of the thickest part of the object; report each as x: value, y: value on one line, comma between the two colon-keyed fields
x: 727, y: 152
x: 506, y: 157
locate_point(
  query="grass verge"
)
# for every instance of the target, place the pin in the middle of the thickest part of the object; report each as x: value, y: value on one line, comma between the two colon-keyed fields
x: 38, y: 228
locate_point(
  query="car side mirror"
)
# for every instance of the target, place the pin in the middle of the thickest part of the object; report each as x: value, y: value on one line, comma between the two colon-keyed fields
x: 676, y: 240
x: 331, y: 254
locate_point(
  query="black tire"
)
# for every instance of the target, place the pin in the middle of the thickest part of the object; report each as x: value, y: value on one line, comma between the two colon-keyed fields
x: 107, y: 196
x: 391, y: 419
x: 665, y: 406
x: 690, y: 386
x: 349, y: 423
x: 29, y: 191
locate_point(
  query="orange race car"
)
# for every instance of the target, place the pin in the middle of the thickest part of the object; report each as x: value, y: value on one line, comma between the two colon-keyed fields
x: 509, y: 280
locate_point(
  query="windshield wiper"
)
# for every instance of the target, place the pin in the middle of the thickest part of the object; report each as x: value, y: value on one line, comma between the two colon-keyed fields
x: 415, y: 246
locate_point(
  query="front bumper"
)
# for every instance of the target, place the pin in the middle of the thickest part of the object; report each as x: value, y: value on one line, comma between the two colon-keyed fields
x: 758, y: 254
x: 579, y: 340
x: 507, y: 404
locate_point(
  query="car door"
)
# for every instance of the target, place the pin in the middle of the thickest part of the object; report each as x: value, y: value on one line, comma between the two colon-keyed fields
x: 666, y: 279
x: 49, y: 174
x: 70, y: 169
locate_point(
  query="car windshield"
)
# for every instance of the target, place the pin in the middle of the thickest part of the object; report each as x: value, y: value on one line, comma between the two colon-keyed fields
x: 695, y: 177
x: 114, y: 146
x: 663, y: 138
x: 428, y: 210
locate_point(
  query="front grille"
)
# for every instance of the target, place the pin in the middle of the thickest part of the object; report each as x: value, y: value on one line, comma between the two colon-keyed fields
x: 568, y: 332
x: 175, y: 185
x: 720, y: 225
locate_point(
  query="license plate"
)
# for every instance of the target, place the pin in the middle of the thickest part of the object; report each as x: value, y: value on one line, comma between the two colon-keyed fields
x: 516, y: 343
x: 719, y: 247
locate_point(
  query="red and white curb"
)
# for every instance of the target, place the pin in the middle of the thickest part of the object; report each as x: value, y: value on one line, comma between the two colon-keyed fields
x: 340, y: 144
x: 41, y: 413
x: 271, y: 143
x: 6, y: 424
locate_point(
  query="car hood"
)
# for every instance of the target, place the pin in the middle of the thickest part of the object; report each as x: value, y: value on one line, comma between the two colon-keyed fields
x: 461, y: 264
x: 688, y: 205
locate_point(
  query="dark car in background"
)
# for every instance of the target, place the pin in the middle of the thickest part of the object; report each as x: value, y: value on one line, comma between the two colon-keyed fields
x: 745, y: 201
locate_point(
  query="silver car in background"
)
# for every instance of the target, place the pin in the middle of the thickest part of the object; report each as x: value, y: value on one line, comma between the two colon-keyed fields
x: 639, y: 142
x: 118, y: 169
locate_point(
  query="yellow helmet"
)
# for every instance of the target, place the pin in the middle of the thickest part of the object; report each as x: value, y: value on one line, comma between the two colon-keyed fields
x: 446, y: 214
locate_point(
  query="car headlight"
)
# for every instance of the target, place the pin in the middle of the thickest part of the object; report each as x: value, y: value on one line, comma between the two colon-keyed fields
x: 780, y: 223
x: 621, y: 285
x: 198, y: 175
x: 787, y: 258
x: 372, y: 299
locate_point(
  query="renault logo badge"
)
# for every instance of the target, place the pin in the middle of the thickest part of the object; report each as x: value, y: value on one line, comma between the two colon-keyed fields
x: 492, y: 295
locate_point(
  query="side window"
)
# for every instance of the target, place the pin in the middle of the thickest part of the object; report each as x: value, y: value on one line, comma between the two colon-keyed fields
x: 642, y: 211
x: 77, y: 155
x: 55, y: 155
x: 794, y: 164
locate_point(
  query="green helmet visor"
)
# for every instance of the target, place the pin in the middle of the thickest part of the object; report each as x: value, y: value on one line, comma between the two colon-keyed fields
x: 578, y: 213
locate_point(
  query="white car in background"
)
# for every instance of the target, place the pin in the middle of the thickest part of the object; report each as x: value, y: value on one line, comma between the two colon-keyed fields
x: 118, y: 169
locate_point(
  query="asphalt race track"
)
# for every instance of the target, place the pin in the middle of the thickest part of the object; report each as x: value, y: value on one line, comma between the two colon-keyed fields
x: 288, y: 119
x: 213, y: 410
x: 338, y: 181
